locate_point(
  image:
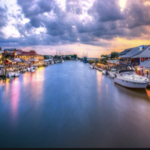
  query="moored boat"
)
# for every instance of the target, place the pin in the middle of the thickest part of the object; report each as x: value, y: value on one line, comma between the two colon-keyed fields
x: 129, y: 79
x: 32, y: 69
x: 112, y: 73
x: 91, y: 66
x: 105, y: 72
x: 13, y: 74
x: 16, y: 74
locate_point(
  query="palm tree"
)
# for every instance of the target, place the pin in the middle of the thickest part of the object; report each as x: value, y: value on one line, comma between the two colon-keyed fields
x: 0, y: 49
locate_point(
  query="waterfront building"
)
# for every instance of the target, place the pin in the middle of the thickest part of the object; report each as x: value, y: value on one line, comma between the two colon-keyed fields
x: 125, y: 52
x: 1, y: 55
x: 137, y: 57
x: 21, y: 57
x: 130, y: 59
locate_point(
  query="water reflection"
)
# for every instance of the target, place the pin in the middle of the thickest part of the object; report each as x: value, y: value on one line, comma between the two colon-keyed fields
x: 15, y: 93
x: 148, y: 93
x: 99, y: 80
x: 70, y: 105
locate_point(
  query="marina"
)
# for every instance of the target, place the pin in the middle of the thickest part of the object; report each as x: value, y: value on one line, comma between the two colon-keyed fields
x: 72, y: 105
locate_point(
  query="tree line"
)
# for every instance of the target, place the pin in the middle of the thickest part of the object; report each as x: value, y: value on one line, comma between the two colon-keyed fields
x: 104, y: 58
x: 67, y: 57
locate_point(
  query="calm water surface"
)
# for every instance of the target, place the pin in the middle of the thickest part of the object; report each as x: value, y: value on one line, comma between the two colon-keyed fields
x: 70, y: 105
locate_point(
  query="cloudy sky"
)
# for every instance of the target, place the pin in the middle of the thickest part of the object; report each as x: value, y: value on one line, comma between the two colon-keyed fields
x: 74, y: 26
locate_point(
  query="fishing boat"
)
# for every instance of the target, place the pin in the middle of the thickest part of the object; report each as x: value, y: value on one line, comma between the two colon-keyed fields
x: 129, y: 79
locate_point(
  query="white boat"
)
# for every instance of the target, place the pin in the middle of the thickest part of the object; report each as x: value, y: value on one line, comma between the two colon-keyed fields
x: 129, y: 79
x: 104, y: 72
x: 13, y: 74
x: 32, y: 70
x: 28, y: 69
x: 91, y: 66
x: 112, y: 73
x: 10, y: 74
x: 16, y: 74
x: 52, y: 62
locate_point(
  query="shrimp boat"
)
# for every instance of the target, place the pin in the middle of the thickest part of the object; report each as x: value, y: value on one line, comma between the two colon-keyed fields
x: 129, y: 79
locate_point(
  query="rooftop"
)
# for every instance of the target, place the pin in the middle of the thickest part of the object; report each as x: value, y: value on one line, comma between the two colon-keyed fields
x: 9, y: 49
x: 134, y: 51
x: 125, y: 52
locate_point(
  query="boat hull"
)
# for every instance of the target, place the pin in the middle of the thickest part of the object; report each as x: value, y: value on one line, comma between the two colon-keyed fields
x: 129, y: 84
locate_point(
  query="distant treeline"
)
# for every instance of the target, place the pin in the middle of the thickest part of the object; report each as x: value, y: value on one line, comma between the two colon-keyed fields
x: 104, y: 58
x: 66, y: 57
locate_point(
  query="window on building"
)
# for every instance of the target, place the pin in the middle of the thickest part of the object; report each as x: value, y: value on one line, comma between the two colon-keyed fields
x: 146, y: 59
x: 142, y: 59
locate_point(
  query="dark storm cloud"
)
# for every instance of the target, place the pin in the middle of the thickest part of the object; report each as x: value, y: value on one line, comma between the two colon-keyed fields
x: 105, y: 21
x: 138, y: 15
x: 105, y: 11
x: 3, y: 16
x: 33, y: 8
x: 103, y: 14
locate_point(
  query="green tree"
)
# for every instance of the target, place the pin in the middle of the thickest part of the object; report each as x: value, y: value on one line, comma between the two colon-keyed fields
x: 67, y: 57
x: 45, y: 57
x: 103, y: 59
x: 0, y: 49
x: 75, y: 56
x: 106, y: 56
x: 91, y: 61
x: 114, y: 55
